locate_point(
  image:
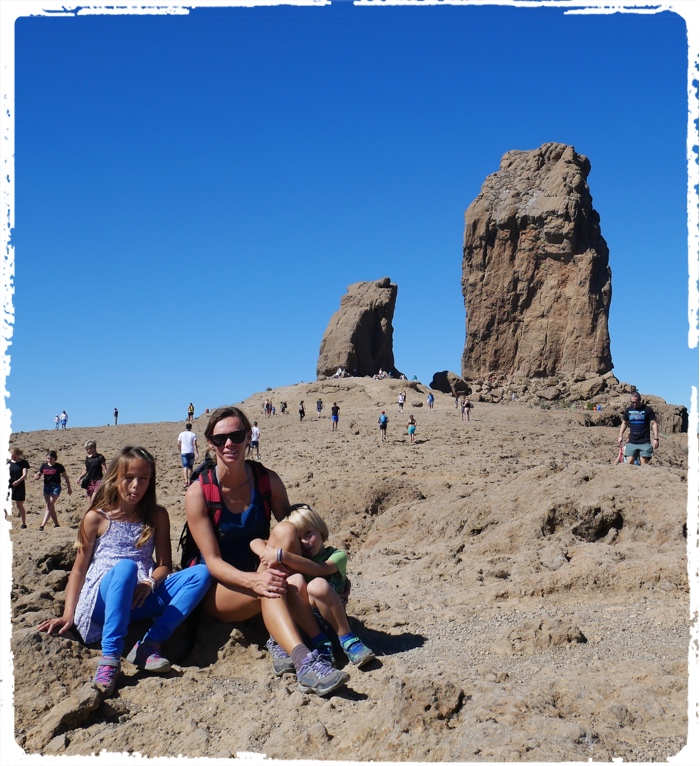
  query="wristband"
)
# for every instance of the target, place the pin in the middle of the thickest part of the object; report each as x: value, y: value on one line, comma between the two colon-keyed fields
x: 151, y: 581
x: 279, y: 555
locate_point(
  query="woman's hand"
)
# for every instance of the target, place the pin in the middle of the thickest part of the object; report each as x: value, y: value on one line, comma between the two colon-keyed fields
x: 141, y: 593
x: 271, y: 583
x: 57, y: 625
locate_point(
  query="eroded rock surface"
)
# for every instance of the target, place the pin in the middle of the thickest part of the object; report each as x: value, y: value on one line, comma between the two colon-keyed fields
x: 535, y: 274
x: 359, y: 338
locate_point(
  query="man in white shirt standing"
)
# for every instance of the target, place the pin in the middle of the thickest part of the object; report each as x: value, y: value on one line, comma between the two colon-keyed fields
x: 254, y: 443
x: 187, y: 444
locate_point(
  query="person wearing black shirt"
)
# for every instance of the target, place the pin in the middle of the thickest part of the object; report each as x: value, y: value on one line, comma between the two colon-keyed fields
x: 641, y: 421
x: 52, y: 472
x: 18, y: 474
x: 95, y: 463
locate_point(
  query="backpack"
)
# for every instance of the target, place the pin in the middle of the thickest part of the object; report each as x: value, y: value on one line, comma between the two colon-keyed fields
x: 212, y: 497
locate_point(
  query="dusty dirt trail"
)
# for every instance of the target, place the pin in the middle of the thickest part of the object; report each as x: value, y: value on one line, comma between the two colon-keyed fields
x: 527, y: 600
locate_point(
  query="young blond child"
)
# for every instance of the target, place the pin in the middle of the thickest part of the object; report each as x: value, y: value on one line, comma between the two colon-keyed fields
x: 319, y: 579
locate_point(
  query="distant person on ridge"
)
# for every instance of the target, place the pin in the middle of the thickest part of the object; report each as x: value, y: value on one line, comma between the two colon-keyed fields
x: 640, y: 418
x: 116, y: 416
x: 319, y: 406
x: 56, y: 422
x: 302, y: 411
x: 187, y: 444
x: 190, y: 413
x: 64, y: 420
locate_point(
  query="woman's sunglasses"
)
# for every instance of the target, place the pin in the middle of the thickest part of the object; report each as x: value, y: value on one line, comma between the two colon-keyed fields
x: 219, y: 440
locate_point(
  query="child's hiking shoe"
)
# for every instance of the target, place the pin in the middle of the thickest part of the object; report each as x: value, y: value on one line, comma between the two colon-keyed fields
x: 107, y: 673
x: 325, y: 652
x: 281, y: 662
x: 317, y: 676
x: 358, y: 653
x: 146, y: 655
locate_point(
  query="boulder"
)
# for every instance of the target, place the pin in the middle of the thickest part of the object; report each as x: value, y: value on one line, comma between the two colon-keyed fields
x: 535, y: 275
x: 359, y: 336
x: 450, y: 383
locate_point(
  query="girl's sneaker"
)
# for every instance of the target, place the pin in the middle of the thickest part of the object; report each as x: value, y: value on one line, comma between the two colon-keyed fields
x: 146, y: 655
x: 325, y: 652
x: 358, y: 653
x: 106, y: 676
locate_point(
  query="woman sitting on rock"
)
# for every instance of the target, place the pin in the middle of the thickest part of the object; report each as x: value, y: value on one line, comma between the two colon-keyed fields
x: 228, y: 507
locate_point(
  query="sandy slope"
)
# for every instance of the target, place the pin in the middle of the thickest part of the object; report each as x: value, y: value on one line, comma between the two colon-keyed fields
x: 528, y: 600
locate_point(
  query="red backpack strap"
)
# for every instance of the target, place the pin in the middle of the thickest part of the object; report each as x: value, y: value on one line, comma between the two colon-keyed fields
x: 261, y: 477
x: 212, y: 495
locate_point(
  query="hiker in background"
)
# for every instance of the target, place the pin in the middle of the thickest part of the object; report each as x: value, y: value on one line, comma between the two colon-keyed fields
x: 187, y: 444
x: 640, y: 419
x: 19, y: 468
x: 335, y: 416
x: 190, y: 413
x: 116, y: 416
x: 115, y: 579
x: 401, y: 400
x: 430, y: 400
x: 56, y: 422
x: 64, y: 420
x: 95, y: 463
x: 383, y: 421
x: 254, y: 443
x: 51, y: 471
x: 283, y: 408
x: 246, y: 495
x: 302, y: 411
x: 319, y: 406
x: 411, y: 427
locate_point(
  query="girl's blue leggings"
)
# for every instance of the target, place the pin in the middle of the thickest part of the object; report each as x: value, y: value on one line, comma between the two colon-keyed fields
x: 170, y: 604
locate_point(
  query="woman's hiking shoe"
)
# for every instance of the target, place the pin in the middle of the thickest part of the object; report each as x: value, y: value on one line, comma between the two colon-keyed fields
x: 107, y: 673
x: 317, y: 676
x: 281, y: 661
x: 358, y: 653
x: 146, y: 655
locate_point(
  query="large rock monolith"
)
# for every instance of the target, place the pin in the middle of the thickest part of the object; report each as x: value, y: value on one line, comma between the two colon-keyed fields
x: 535, y: 275
x: 359, y: 337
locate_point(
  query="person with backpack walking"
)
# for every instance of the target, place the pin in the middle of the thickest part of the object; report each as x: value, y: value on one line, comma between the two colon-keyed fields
x: 302, y: 411
x: 227, y: 508
x: 116, y: 580
x: 383, y: 421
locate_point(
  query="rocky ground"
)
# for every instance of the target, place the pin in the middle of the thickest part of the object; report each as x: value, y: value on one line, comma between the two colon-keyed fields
x: 527, y: 599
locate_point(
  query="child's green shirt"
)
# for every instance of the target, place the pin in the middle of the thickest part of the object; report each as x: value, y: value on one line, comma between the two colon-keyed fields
x: 340, y: 559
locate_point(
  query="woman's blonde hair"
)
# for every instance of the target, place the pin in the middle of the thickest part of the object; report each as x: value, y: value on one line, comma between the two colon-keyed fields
x: 106, y: 496
x: 303, y: 517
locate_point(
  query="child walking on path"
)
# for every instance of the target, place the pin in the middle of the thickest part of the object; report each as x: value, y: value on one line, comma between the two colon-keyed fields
x: 319, y: 579
x: 115, y: 579
x: 52, y: 472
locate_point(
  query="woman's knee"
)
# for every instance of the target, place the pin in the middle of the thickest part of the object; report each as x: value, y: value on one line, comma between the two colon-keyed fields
x: 284, y: 535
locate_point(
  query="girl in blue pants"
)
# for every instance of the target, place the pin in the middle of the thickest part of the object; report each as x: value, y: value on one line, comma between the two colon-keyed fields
x: 116, y: 579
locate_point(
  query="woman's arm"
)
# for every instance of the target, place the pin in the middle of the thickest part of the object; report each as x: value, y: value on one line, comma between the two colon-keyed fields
x: 280, y: 500
x: 270, y: 583
x: 76, y: 579
x: 164, y: 558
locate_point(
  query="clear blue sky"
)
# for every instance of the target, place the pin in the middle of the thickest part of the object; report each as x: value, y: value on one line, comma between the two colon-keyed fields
x: 194, y: 193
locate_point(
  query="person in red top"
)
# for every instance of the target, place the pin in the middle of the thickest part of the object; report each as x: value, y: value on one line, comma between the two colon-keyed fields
x: 52, y: 472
